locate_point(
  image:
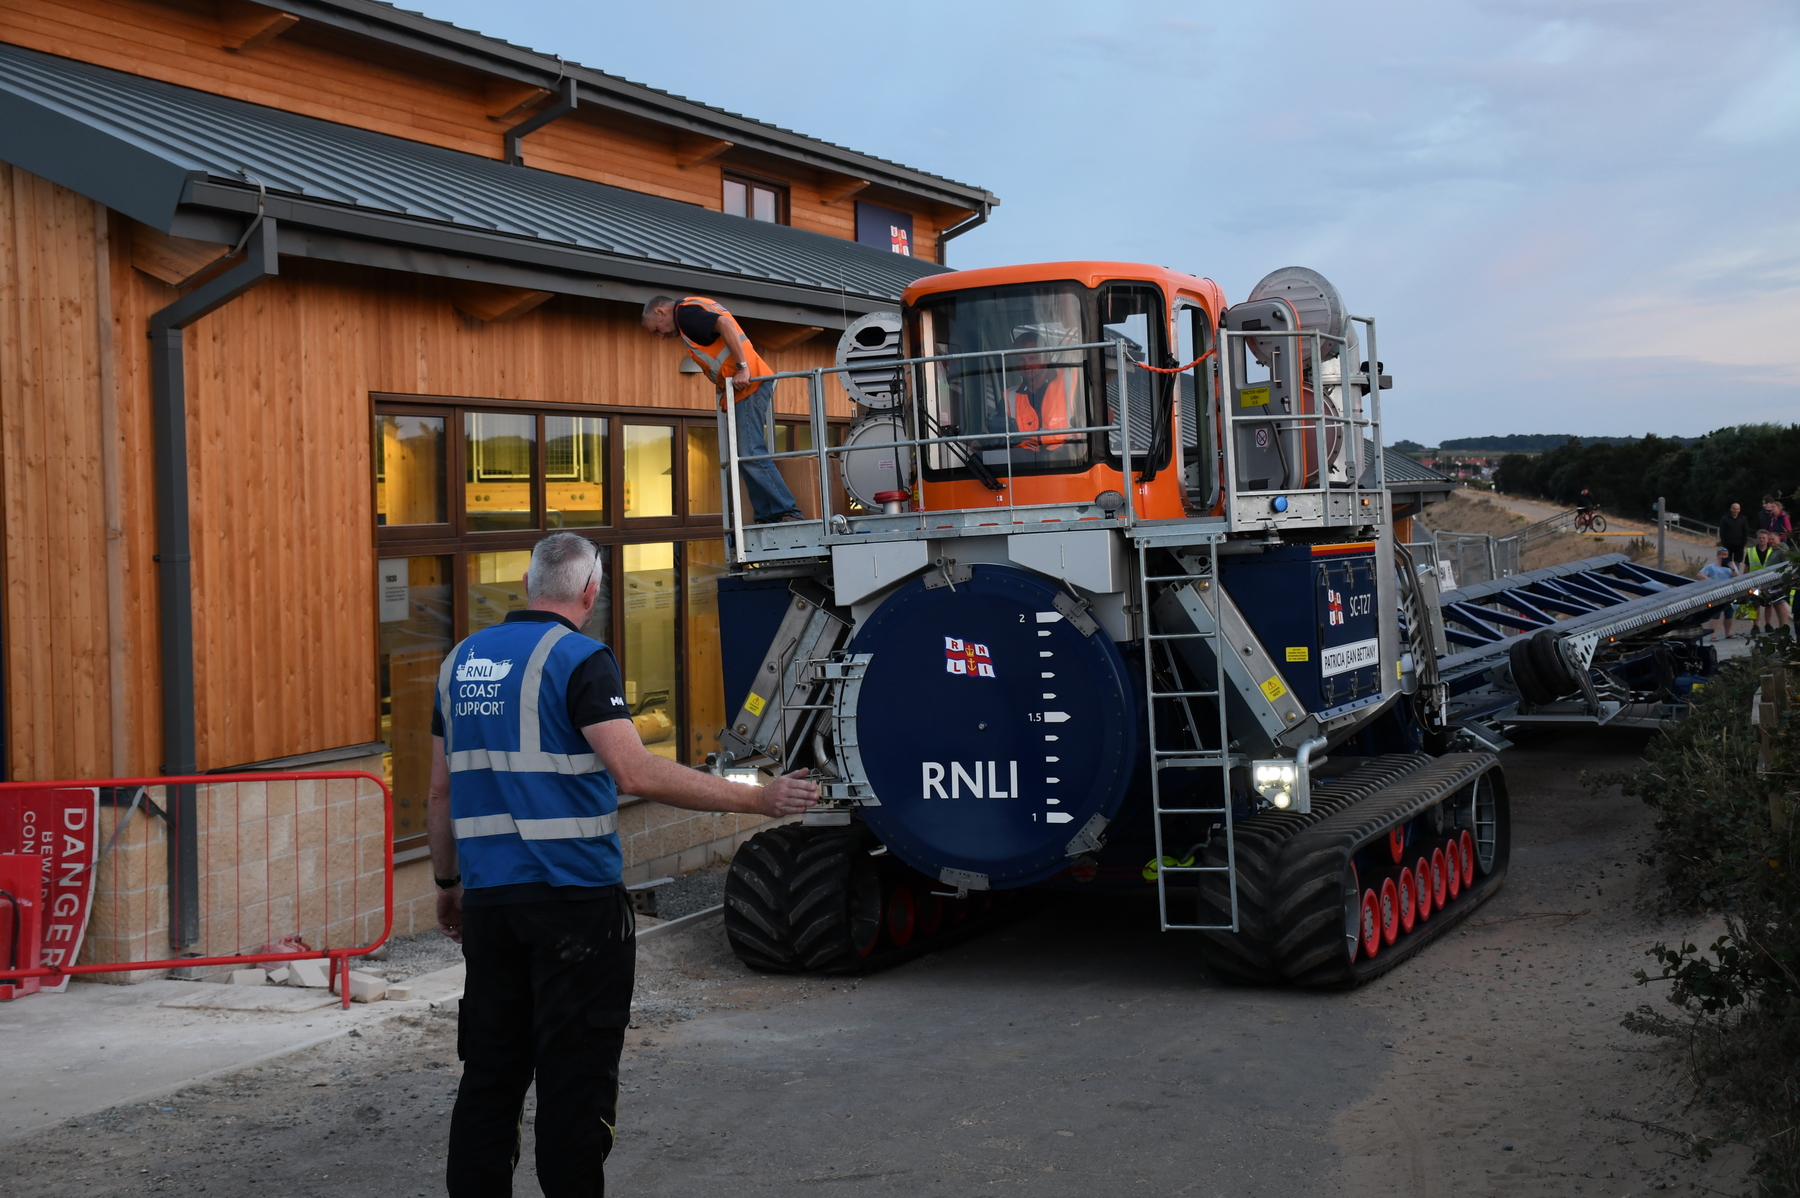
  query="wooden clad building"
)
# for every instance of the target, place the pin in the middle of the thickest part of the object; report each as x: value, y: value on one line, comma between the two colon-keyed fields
x: 313, y: 319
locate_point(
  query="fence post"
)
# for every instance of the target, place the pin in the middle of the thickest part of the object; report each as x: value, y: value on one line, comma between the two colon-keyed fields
x: 1662, y: 525
x: 1766, y: 710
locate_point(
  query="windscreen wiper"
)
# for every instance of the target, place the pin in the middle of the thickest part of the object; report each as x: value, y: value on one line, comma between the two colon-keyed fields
x: 977, y: 467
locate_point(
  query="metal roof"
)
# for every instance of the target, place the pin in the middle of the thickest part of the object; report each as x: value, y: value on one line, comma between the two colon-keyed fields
x: 387, y: 23
x: 1404, y: 472
x: 147, y: 148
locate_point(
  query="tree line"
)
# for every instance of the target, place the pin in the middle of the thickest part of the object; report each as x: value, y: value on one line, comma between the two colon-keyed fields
x: 1700, y: 479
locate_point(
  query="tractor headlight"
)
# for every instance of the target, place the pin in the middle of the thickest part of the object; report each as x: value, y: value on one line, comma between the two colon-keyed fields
x: 1275, y: 781
x: 746, y: 777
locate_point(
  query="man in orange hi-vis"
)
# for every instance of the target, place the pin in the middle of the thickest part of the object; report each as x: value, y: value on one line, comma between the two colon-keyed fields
x: 716, y: 342
x: 1044, y: 395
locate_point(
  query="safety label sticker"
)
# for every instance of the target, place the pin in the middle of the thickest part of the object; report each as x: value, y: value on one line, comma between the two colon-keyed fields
x: 1272, y: 689
x: 1341, y: 659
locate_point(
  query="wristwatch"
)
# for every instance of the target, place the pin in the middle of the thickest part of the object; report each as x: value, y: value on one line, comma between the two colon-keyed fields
x: 448, y: 883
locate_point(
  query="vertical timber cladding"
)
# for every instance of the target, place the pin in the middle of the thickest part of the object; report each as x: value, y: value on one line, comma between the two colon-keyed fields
x: 280, y: 422
x: 57, y: 679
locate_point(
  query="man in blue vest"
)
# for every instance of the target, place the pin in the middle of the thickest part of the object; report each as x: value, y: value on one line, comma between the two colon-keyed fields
x: 531, y: 743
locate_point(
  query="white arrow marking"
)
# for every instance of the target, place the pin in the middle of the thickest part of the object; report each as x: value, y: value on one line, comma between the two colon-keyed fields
x: 1056, y: 717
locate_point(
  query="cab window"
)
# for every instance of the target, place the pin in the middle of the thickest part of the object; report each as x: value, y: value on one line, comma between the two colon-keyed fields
x: 1194, y: 409
x: 1131, y: 317
x: 1041, y: 392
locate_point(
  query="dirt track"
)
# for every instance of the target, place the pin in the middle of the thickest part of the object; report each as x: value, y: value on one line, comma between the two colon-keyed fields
x: 1078, y: 1052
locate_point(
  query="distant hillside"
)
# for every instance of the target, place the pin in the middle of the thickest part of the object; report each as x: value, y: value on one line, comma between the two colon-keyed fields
x: 1543, y: 442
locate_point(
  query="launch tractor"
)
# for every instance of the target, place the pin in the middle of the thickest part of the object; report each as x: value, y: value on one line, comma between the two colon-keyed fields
x: 1102, y: 593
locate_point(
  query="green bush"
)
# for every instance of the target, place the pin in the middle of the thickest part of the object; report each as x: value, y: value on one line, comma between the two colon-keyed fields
x: 1716, y: 849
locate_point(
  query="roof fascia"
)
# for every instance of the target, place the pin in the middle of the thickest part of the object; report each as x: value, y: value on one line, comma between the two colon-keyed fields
x: 422, y: 35
x: 328, y: 247
x: 355, y: 225
x: 89, y: 161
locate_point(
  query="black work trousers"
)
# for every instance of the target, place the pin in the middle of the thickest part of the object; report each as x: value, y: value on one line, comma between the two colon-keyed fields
x: 548, y: 995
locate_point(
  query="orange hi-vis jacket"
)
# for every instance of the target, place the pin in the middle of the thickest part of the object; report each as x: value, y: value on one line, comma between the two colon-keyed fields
x: 715, y: 357
x: 1054, y: 407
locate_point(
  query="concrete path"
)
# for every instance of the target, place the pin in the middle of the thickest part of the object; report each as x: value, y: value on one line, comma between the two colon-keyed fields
x: 98, y: 1046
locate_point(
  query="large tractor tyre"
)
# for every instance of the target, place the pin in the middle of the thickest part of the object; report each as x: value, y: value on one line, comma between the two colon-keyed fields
x: 1245, y: 956
x: 756, y: 900
x: 1317, y: 877
x: 835, y: 907
x: 1548, y: 664
x: 1525, y: 677
x: 1248, y: 956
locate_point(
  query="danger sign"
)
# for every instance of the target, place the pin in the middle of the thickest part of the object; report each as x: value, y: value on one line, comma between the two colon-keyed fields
x: 61, y: 828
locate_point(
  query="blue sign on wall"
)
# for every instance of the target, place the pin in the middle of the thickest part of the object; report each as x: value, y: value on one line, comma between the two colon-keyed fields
x: 884, y: 227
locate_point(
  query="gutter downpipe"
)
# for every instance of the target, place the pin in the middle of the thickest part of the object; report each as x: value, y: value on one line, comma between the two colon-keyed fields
x: 175, y: 578
x: 515, y: 136
x: 980, y: 218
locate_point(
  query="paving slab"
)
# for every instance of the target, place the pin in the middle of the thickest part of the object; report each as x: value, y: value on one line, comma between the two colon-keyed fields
x: 98, y: 1046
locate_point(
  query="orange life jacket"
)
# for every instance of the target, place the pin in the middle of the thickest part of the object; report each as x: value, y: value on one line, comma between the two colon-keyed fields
x: 1054, y: 407
x: 715, y: 357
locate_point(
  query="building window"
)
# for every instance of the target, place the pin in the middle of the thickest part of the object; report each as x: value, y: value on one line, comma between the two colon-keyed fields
x: 757, y: 199
x: 646, y: 492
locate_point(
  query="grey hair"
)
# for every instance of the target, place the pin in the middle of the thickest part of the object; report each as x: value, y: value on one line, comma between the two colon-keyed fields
x: 655, y: 302
x: 561, y: 567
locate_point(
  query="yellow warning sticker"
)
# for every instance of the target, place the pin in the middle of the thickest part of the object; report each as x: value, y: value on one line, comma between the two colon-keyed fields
x: 1253, y: 397
x: 1397, y: 670
x: 755, y: 703
x: 1273, y: 689
x: 1299, y: 653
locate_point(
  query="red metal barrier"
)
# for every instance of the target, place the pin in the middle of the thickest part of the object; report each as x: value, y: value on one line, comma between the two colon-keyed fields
x: 282, y: 864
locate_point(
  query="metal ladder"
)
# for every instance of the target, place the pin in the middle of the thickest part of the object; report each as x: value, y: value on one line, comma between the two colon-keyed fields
x: 1158, y: 641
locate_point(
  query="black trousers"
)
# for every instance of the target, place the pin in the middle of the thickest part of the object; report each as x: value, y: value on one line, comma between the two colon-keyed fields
x: 548, y: 995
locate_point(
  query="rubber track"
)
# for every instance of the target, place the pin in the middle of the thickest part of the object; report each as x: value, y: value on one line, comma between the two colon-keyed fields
x: 1310, y: 920
x: 820, y: 901
x: 756, y: 900
x: 1249, y: 955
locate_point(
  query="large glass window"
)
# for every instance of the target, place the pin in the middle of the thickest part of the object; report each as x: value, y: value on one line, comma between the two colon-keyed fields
x: 500, y: 470
x: 644, y: 488
x: 496, y: 583
x: 409, y: 470
x: 705, y: 563
x: 649, y: 470
x: 415, y: 610
x: 703, y: 470
x: 575, y: 450
x: 647, y: 576
x: 1041, y: 391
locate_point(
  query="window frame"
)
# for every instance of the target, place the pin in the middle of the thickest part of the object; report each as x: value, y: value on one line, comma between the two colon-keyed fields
x: 783, y: 194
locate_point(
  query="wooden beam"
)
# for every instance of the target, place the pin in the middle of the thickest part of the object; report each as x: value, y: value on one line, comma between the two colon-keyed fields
x: 836, y: 188
x: 507, y: 98
x: 244, y: 27
x: 693, y: 150
x: 174, y: 260
x: 492, y: 304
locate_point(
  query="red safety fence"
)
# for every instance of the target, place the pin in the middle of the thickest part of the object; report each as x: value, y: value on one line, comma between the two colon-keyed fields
x: 121, y: 875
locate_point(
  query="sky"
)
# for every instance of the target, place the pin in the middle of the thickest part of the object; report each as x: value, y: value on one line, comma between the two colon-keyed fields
x: 1571, y: 217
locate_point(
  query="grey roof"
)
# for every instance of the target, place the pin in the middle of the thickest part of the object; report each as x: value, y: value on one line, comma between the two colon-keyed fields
x: 1407, y: 474
x: 147, y: 148
x: 387, y: 23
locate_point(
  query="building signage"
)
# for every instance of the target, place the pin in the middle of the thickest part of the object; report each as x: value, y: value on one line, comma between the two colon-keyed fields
x: 885, y: 228
x: 59, y: 826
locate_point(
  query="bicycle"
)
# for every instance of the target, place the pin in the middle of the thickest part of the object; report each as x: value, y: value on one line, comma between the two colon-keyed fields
x: 1589, y: 520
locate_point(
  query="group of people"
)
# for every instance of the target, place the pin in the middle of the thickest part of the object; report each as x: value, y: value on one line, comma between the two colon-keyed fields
x: 1745, y: 547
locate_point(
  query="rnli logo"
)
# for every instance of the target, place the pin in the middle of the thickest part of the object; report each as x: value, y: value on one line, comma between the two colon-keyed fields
x: 967, y: 658
x: 481, y: 669
x: 1334, y: 603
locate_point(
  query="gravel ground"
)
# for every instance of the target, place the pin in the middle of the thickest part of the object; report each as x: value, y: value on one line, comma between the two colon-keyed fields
x: 692, y: 892
x: 410, y: 956
x: 1494, y: 1064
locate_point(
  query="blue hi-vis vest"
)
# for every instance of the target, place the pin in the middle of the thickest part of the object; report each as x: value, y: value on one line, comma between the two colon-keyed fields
x: 529, y: 800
